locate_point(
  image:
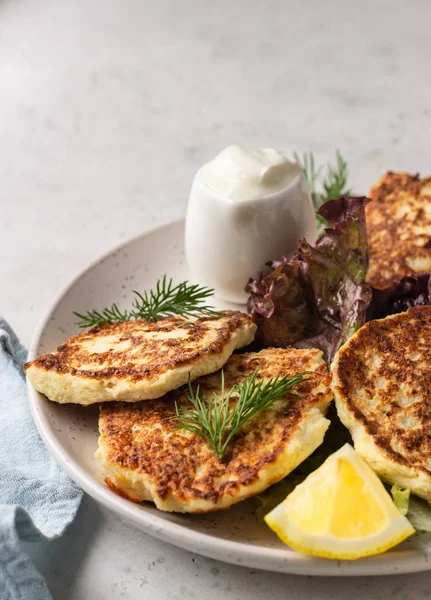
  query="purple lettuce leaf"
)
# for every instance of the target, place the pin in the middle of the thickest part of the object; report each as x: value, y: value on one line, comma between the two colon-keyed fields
x: 402, y: 295
x: 319, y: 298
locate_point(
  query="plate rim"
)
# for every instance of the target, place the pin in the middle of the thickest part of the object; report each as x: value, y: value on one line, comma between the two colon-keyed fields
x: 228, y: 551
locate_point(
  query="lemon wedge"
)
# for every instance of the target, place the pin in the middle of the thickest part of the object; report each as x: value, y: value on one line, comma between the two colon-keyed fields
x: 340, y: 511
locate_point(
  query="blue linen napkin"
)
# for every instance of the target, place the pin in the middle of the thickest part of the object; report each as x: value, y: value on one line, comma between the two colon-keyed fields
x: 37, y: 499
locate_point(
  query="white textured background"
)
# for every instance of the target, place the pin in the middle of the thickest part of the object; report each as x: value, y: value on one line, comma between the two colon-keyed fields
x: 108, y: 107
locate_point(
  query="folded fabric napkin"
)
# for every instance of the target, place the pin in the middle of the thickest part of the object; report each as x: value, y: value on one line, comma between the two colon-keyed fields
x: 37, y: 499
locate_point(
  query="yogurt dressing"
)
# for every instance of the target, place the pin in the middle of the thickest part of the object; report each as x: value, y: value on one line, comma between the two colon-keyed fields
x: 246, y: 207
x: 239, y: 173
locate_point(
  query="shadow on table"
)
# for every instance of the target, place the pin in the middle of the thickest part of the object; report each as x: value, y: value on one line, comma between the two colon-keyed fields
x: 63, y: 556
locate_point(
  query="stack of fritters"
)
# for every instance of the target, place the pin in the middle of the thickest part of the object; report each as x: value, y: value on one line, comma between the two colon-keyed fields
x: 145, y: 456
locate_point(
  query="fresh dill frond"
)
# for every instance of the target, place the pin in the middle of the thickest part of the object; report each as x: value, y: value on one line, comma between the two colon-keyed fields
x: 165, y: 300
x: 219, y: 420
x: 169, y: 299
x: 332, y: 180
x: 335, y: 183
x: 311, y: 174
x: 106, y: 315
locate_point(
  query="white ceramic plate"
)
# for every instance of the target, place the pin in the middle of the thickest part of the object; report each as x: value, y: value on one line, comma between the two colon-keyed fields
x: 70, y: 432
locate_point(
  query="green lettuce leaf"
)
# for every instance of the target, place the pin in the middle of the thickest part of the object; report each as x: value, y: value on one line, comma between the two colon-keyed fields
x: 419, y: 514
x: 401, y: 498
x: 417, y: 511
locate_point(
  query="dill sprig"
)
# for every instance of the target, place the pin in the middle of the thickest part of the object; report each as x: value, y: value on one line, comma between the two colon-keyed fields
x: 165, y: 300
x: 311, y: 174
x: 332, y: 178
x: 106, y: 315
x: 219, y: 420
x: 335, y: 183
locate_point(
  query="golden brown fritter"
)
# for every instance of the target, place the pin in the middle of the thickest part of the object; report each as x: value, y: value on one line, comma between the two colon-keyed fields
x: 398, y: 228
x: 382, y: 390
x: 146, y: 457
x: 138, y: 360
